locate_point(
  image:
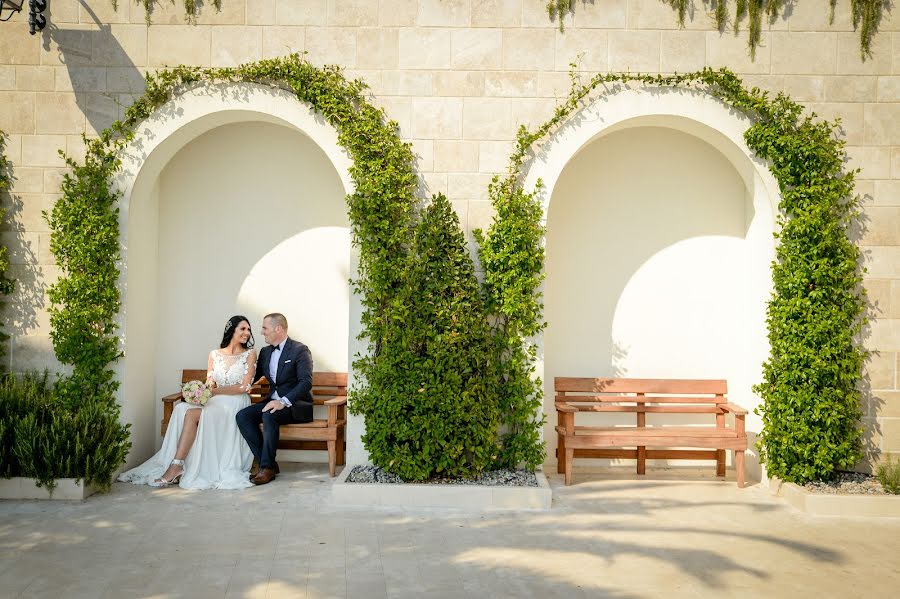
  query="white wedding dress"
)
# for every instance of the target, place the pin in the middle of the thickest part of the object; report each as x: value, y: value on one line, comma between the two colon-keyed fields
x: 219, y: 457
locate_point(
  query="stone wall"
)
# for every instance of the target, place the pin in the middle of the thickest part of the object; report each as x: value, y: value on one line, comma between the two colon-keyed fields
x: 458, y: 76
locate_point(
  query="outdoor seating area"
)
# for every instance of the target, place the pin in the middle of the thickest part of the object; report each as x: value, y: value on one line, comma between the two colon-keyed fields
x: 642, y: 397
x: 329, y: 391
x: 567, y: 299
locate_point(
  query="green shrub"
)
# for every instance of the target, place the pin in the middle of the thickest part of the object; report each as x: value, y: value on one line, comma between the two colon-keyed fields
x: 18, y: 396
x: 888, y: 473
x: 512, y: 255
x: 44, y: 437
x: 436, y: 413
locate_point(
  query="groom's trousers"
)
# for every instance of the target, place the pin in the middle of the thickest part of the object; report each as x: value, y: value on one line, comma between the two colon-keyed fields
x: 263, y: 444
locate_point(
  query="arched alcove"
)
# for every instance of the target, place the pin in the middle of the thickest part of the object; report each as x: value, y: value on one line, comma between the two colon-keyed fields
x: 233, y: 201
x: 659, y: 241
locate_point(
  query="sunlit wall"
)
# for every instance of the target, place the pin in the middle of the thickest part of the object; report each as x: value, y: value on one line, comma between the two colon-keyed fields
x: 251, y: 219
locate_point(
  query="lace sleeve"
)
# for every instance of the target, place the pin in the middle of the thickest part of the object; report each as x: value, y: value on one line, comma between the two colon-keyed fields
x: 249, y: 369
x: 209, y: 368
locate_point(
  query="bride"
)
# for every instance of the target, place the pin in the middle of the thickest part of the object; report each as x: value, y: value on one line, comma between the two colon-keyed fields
x: 203, y: 448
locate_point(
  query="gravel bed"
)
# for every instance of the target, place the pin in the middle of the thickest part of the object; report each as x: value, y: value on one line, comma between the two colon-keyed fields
x: 496, y: 478
x: 849, y: 483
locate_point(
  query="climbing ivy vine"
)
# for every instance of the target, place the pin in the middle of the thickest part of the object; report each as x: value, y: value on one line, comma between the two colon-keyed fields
x: 191, y: 8
x: 811, y: 400
x: 867, y: 16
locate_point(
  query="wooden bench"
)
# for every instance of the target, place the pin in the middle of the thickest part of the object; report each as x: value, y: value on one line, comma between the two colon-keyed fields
x: 647, y: 396
x: 329, y: 390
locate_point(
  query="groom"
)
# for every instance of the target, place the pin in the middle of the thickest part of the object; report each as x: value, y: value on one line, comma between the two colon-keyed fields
x: 288, y: 366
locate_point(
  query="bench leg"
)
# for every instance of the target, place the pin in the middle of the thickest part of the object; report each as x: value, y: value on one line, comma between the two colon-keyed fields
x: 642, y: 460
x: 561, y: 455
x: 720, y: 462
x: 739, y: 466
x: 340, y: 458
x: 332, y: 456
x: 570, y: 457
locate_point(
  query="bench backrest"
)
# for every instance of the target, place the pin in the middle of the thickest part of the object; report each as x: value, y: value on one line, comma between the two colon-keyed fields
x: 326, y: 385
x: 609, y: 394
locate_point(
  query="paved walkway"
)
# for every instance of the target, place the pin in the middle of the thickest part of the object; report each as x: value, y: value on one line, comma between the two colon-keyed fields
x: 619, y: 537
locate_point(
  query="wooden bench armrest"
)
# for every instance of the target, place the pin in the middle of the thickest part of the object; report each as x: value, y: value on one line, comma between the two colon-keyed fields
x: 336, y: 401
x: 562, y: 406
x: 172, y: 397
x: 734, y: 409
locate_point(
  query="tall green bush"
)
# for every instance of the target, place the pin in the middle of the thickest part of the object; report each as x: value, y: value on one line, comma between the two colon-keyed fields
x: 512, y: 255
x: 810, y: 389
x: 85, y: 300
x: 436, y: 411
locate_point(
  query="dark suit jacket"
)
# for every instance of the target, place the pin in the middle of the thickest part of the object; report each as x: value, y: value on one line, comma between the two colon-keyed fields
x: 294, y: 377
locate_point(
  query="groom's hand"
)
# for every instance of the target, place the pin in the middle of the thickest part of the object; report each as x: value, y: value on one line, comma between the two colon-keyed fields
x: 273, y: 406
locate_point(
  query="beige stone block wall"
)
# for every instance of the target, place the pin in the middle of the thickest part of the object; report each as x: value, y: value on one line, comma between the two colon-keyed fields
x: 458, y: 76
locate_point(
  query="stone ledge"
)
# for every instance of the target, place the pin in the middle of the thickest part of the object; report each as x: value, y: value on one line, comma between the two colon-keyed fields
x: 821, y: 504
x: 468, y: 497
x: 25, y: 488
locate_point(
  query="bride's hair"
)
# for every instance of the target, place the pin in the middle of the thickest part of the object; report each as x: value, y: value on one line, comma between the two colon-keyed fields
x: 230, y: 327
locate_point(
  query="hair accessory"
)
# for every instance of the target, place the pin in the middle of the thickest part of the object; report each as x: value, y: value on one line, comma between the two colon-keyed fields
x: 228, y: 326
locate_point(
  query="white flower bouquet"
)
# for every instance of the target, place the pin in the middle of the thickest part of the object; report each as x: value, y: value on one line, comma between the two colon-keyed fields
x: 196, y: 393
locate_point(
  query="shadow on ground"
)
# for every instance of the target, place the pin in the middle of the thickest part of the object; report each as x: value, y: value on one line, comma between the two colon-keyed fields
x: 626, y: 539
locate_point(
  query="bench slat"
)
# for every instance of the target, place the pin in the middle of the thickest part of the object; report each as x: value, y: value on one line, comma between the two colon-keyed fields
x: 652, y: 409
x: 638, y: 399
x: 193, y: 375
x: 611, y: 385
x: 656, y: 431
x: 637, y: 440
x: 650, y: 454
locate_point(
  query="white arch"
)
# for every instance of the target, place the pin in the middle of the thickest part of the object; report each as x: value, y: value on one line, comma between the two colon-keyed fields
x: 687, y: 110
x: 187, y: 116
x: 690, y: 111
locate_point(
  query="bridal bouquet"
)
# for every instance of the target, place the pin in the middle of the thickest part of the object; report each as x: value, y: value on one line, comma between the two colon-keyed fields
x: 196, y: 393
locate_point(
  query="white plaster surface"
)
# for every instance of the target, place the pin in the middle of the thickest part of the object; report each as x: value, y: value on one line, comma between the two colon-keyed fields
x: 66, y: 489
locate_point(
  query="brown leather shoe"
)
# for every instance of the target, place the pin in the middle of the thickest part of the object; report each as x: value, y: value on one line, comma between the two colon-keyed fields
x: 254, y: 470
x: 264, y: 476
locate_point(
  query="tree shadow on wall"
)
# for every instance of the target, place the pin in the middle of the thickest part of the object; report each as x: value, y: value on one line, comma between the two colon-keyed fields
x: 28, y: 297
x: 102, y: 75
x: 870, y: 403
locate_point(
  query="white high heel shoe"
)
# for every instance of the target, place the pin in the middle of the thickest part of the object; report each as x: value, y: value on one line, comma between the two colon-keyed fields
x: 162, y: 482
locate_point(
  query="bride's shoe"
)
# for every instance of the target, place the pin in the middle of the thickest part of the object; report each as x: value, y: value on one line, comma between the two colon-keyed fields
x: 162, y: 482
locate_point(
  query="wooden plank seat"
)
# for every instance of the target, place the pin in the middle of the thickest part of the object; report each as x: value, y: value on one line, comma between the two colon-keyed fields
x: 642, y: 397
x: 329, y: 390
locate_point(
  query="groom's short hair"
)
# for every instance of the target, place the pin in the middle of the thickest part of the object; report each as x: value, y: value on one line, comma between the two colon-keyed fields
x: 277, y: 319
